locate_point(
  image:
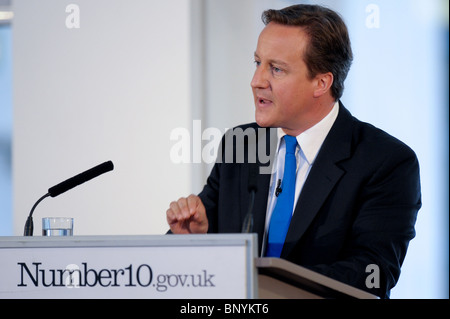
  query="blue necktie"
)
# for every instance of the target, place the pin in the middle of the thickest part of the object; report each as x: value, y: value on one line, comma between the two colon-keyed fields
x: 282, y: 213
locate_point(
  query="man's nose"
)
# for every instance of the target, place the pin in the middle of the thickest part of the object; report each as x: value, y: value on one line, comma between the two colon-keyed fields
x: 259, y: 80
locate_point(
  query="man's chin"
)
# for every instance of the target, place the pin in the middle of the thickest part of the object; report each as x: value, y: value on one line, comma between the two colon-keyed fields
x: 263, y: 122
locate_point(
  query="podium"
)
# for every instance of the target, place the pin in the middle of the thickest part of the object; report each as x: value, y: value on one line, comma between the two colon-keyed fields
x: 281, y: 279
x: 212, y: 266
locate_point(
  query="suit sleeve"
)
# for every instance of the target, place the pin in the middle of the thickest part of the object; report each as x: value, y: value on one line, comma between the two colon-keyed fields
x: 210, y: 198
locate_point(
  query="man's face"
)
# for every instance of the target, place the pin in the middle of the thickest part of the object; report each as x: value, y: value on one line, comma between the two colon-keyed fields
x: 282, y: 91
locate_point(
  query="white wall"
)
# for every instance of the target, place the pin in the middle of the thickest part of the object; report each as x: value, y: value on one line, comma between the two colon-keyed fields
x: 111, y: 90
x: 5, y: 128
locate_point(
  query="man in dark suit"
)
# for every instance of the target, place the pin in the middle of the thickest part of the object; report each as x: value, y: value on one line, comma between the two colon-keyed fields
x: 357, y: 189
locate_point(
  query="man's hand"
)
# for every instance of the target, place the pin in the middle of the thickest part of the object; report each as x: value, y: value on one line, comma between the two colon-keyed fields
x: 187, y: 216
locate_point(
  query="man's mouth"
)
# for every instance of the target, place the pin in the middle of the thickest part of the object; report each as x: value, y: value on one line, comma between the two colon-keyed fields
x: 263, y: 101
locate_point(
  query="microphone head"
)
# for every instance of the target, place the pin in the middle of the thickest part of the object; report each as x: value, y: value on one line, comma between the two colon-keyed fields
x: 80, y: 178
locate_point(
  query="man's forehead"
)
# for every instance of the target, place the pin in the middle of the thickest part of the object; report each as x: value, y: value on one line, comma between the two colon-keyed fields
x: 278, y: 42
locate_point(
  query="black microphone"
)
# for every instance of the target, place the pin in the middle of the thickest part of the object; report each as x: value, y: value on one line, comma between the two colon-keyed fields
x: 65, y: 186
x: 247, y: 226
x: 278, y: 190
x: 80, y: 178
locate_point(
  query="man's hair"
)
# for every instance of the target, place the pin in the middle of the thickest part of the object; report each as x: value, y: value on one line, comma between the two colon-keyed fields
x: 329, y: 48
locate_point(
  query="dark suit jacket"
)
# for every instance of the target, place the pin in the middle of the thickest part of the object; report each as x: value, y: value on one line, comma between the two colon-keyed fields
x: 357, y: 208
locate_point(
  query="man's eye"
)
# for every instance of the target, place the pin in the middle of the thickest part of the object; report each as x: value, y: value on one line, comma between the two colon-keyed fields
x: 276, y: 70
x: 257, y: 63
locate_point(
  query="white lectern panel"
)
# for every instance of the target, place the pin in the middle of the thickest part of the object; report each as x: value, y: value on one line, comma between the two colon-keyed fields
x: 168, y: 266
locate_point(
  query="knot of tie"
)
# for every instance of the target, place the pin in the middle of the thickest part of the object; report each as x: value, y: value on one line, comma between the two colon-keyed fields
x: 291, y: 144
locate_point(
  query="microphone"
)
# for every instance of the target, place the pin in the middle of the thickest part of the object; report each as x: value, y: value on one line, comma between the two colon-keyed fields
x: 80, y: 178
x: 247, y: 226
x: 278, y: 190
x: 65, y: 186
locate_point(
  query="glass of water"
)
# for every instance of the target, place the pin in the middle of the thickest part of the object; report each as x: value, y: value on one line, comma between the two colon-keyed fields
x: 57, y: 226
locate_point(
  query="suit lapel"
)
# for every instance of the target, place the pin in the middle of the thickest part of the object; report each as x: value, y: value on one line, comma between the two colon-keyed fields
x: 322, y: 178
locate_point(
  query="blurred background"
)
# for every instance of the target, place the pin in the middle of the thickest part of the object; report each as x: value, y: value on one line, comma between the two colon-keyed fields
x: 83, y: 82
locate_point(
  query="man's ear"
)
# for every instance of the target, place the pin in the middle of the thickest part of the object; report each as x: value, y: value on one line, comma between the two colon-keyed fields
x: 323, y: 83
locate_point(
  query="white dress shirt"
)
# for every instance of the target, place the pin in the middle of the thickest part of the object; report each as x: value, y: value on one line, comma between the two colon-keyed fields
x: 309, y: 144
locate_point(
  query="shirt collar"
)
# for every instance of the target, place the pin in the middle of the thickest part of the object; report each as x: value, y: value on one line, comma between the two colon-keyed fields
x: 312, y: 139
